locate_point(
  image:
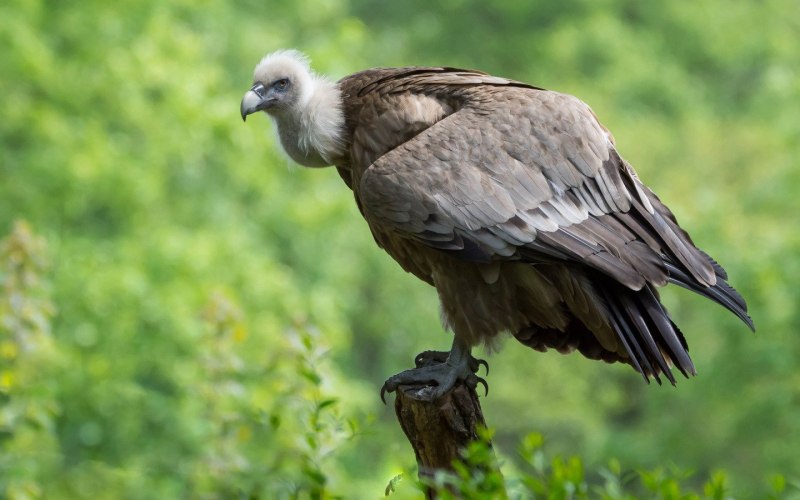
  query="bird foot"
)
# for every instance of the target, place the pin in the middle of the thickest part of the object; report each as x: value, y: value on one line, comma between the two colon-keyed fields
x: 428, y: 358
x: 437, y: 374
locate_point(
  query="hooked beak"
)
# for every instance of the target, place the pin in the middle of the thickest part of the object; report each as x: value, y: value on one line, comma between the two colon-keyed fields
x: 256, y: 99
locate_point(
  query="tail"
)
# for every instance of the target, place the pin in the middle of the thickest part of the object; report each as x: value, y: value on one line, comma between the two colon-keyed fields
x: 721, y: 293
x: 653, y: 342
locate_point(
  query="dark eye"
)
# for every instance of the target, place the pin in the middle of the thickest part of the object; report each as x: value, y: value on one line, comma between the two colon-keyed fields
x: 282, y: 84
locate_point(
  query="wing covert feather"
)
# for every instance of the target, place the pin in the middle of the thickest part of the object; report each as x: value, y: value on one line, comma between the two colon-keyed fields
x: 525, y: 179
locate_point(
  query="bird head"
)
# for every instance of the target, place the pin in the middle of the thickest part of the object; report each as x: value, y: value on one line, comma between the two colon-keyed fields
x: 306, y: 107
x: 281, y: 83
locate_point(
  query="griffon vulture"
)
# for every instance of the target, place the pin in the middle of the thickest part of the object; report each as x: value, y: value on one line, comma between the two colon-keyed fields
x: 511, y: 200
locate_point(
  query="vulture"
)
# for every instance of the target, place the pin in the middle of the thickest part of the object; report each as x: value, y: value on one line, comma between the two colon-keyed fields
x: 509, y: 199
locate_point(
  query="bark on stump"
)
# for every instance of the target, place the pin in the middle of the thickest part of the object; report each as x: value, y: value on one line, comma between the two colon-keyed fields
x: 438, y: 429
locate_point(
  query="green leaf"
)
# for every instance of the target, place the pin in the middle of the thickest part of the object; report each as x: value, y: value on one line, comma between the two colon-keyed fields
x: 391, y: 487
x: 326, y: 403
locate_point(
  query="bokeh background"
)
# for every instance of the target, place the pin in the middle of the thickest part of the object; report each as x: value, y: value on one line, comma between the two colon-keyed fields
x: 184, y: 314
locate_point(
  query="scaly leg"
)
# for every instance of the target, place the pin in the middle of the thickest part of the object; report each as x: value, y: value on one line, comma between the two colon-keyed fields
x: 440, y: 371
x: 428, y: 358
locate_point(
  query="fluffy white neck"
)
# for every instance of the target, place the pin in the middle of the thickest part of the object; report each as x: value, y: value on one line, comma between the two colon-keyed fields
x: 312, y: 133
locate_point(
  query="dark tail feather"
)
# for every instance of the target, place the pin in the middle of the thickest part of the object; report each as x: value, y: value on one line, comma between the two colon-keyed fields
x: 626, y: 336
x: 722, y: 273
x: 634, y: 313
x: 651, y: 339
x: 721, y: 293
x: 670, y: 334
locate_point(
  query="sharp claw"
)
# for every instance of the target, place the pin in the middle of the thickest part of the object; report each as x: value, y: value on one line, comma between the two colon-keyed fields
x: 473, y: 380
x: 433, y: 371
x: 383, y: 393
x: 483, y: 381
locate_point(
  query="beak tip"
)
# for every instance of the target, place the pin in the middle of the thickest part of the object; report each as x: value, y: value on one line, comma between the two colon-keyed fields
x: 256, y: 99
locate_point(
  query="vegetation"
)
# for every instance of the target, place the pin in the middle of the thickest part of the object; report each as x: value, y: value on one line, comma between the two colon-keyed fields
x: 560, y: 478
x: 183, y: 316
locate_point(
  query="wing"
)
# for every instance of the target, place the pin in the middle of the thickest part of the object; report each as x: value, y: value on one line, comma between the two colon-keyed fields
x: 532, y: 176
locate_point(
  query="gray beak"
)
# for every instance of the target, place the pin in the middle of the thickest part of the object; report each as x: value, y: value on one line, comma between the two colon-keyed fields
x: 255, y: 99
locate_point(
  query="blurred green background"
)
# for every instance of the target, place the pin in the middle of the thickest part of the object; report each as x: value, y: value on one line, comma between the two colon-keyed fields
x: 184, y: 314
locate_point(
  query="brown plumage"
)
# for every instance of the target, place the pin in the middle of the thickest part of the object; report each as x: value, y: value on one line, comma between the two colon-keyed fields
x: 511, y: 200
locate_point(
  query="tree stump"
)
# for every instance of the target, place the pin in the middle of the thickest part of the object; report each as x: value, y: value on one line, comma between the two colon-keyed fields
x: 438, y: 429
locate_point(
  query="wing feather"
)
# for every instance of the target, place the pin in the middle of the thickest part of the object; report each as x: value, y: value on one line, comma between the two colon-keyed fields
x: 502, y: 172
x: 513, y: 206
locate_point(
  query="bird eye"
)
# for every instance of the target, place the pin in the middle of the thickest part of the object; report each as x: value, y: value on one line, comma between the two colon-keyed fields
x: 282, y: 84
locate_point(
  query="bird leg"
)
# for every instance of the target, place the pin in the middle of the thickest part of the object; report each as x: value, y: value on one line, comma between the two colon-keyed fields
x: 428, y: 358
x: 440, y: 371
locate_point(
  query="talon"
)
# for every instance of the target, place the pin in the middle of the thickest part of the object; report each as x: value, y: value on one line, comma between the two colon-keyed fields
x: 483, y: 381
x: 472, y: 382
x: 383, y: 393
x: 439, y: 371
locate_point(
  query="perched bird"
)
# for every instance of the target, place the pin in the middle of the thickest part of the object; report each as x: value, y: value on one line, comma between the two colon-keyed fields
x: 511, y: 200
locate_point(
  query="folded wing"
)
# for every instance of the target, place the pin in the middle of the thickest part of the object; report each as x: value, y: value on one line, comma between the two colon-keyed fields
x: 518, y: 174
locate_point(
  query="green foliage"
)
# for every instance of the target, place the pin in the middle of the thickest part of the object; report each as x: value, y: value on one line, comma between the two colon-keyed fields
x: 477, y: 476
x: 248, y: 414
x: 182, y: 316
x: 27, y: 407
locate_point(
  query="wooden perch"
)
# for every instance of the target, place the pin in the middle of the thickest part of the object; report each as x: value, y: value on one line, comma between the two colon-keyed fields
x: 438, y: 429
